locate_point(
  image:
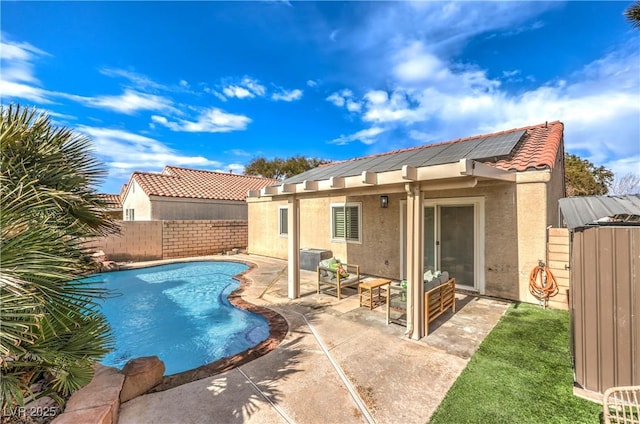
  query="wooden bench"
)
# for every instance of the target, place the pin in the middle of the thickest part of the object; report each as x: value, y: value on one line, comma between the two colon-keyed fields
x: 330, y: 277
x: 437, y: 300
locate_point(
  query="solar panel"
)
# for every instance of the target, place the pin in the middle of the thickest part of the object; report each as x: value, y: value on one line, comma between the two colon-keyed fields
x: 477, y: 148
x: 395, y: 161
x: 454, y: 152
x: 497, y: 145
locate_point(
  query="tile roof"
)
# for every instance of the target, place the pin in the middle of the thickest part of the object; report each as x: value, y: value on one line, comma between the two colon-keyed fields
x: 199, y: 184
x: 537, y: 148
x: 112, y: 201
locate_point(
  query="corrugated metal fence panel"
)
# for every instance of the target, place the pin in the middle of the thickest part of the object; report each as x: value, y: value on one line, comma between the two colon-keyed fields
x: 558, y: 258
x: 605, y: 303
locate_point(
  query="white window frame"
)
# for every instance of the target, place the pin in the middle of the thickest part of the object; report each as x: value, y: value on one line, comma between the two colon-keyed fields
x: 281, y: 233
x: 357, y: 205
x: 129, y: 214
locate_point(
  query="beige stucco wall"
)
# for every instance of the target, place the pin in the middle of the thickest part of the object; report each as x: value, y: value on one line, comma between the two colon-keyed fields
x: 136, y: 240
x: 188, y: 209
x: 532, y: 207
x: 315, y: 227
x: 135, y: 198
x: 263, y: 238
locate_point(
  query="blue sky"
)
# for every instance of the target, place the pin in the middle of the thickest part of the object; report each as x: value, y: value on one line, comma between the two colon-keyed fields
x: 213, y: 84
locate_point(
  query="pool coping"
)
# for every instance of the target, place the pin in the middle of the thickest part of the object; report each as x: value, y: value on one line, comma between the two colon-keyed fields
x: 278, y: 328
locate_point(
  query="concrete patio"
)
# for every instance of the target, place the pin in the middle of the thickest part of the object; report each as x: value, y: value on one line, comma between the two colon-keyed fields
x: 339, y: 363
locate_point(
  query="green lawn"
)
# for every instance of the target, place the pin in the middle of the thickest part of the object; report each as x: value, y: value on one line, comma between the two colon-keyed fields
x: 520, y: 374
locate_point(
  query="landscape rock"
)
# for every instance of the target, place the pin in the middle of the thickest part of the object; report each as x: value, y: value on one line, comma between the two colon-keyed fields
x: 141, y: 375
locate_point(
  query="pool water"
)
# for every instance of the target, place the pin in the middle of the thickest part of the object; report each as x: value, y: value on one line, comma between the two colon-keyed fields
x: 179, y: 312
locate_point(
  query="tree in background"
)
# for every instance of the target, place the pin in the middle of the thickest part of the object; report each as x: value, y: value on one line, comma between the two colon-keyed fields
x: 627, y: 184
x: 633, y: 14
x: 281, y: 168
x: 52, y: 330
x: 582, y: 178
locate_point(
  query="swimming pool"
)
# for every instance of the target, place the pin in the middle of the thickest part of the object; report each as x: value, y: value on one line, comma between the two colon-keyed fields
x: 179, y: 312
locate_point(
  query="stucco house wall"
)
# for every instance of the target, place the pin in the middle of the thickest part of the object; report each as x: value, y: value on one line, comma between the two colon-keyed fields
x: 135, y: 198
x: 188, y: 209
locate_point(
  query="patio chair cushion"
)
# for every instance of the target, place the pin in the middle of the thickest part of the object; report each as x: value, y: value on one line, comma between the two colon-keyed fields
x: 435, y: 282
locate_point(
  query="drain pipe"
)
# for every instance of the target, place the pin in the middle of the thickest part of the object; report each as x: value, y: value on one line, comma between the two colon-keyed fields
x: 352, y: 391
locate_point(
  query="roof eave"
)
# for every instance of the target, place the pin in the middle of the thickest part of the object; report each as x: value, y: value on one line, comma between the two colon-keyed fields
x: 467, y: 171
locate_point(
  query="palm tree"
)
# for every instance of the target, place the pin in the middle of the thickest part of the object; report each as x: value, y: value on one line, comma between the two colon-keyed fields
x: 51, y: 328
x: 633, y: 14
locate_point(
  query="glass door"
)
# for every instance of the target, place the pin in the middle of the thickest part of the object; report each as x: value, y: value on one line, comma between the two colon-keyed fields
x: 457, y: 241
x: 453, y: 239
x: 450, y: 240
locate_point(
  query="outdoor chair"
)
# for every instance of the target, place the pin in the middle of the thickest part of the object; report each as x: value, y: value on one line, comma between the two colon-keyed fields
x: 333, y: 274
x: 621, y: 405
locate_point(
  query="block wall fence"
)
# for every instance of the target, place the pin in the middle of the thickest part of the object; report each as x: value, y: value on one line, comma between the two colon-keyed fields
x: 153, y: 240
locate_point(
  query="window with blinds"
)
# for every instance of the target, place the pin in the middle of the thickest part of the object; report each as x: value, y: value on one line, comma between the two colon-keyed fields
x: 283, y: 221
x: 345, y: 222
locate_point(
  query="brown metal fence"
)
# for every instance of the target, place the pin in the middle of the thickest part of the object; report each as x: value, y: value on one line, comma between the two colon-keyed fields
x: 605, y: 307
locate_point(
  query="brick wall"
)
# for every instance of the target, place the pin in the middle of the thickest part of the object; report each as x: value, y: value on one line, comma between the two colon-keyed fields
x: 152, y: 240
x: 197, y: 238
x: 558, y: 257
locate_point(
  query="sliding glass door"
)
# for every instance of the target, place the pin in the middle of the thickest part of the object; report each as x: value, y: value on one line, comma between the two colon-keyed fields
x: 453, y: 239
x: 450, y: 241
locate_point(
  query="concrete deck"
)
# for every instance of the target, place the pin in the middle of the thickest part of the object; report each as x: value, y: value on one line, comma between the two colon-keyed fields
x: 339, y: 363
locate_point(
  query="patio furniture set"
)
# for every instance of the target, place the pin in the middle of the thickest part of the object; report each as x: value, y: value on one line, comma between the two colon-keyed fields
x: 439, y: 291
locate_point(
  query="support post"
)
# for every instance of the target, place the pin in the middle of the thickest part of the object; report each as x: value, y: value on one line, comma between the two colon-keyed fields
x: 415, y: 262
x: 293, y: 283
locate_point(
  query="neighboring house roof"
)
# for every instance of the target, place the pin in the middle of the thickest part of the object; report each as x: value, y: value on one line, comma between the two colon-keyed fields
x: 112, y: 201
x: 520, y: 149
x: 199, y: 184
x: 598, y: 210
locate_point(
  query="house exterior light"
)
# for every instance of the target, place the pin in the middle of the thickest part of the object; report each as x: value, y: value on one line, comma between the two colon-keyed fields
x: 384, y: 201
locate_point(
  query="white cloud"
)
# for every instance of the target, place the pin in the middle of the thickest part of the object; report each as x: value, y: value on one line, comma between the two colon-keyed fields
x: 312, y: 83
x: 353, y: 106
x: 345, y: 98
x: 336, y: 99
x: 287, y: 95
x: 139, y: 81
x: 17, y: 61
x: 236, y: 91
x: 236, y: 168
x: 246, y: 88
x: 254, y: 86
x: 125, y: 152
x: 10, y: 89
x: 422, y: 137
x: 239, y: 152
x: 213, y: 120
x: 366, y: 136
x: 130, y: 102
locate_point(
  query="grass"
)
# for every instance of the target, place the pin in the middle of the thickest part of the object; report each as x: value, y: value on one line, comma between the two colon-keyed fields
x: 521, y: 373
